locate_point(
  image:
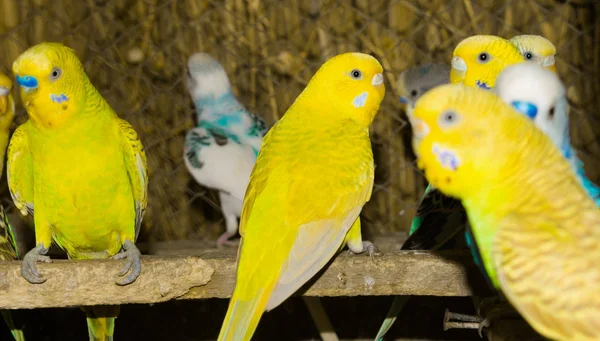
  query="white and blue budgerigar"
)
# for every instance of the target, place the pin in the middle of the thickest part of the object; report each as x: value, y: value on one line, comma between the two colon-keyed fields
x: 539, y: 94
x: 221, y: 150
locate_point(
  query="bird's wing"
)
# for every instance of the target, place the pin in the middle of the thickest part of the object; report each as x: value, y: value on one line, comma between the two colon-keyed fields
x: 19, y: 170
x: 137, y: 169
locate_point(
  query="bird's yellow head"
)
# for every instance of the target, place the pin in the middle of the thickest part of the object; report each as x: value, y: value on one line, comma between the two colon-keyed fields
x: 537, y: 49
x: 52, y: 83
x: 6, y: 102
x: 478, y: 60
x: 349, y: 84
x: 457, y: 137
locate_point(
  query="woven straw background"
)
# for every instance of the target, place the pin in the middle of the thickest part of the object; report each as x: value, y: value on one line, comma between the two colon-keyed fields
x: 135, y: 52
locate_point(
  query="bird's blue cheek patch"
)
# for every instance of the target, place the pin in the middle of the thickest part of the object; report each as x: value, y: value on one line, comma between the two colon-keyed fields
x: 447, y: 158
x: 59, y: 98
x: 403, y: 100
x: 360, y: 100
x: 27, y: 82
x: 526, y: 108
x: 482, y: 85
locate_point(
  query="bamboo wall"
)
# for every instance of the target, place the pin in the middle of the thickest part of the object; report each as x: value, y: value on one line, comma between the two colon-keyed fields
x: 135, y: 52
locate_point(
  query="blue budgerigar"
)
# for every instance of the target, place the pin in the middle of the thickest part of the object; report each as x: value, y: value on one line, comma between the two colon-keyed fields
x: 539, y: 94
x: 221, y: 150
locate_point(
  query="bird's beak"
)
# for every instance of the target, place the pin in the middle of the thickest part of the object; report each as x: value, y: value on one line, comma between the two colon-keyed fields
x: 526, y: 108
x: 27, y: 83
x: 420, y: 128
x: 4, y: 92
x: 549, y: 63
x: 377, y: 79
x: 459, y: 64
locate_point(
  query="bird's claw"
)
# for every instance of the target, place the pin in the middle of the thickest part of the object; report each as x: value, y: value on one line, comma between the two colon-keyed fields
x: 133, y: 262
x: 371, y: 249
x: 495, y: 308
x: 223, y: 240
x: 367, y: 247
x: 485, y: 323
x: 29, y: 269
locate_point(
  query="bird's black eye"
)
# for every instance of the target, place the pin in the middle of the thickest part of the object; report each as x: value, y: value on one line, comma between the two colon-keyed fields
x: 528, y: 55
x: 413, y: 93
x: 551, y: 113
x: 483, y: 57
x: 55, y: 74
x: 356, y: 74
x: 448, y: 118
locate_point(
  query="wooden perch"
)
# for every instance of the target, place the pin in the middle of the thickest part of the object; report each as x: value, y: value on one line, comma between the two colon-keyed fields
x: 92, y: 282
x: 200, y: 274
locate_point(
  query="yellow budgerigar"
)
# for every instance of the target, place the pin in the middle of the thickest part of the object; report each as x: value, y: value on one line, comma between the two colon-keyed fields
x: 79, y: 167
x: 537, y: 49
x: 535, y: 226
x: 311, y: 179
x: 478, y: 60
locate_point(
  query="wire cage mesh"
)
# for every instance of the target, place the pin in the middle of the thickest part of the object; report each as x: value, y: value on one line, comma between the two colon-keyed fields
x: 135, y: 52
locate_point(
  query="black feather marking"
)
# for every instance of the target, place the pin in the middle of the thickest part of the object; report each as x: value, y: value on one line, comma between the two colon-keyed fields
x: 194, y: 142
x: 220, y: 139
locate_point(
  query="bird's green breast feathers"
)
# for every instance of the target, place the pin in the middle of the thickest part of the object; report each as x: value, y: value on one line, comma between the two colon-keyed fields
x: 81, y: 185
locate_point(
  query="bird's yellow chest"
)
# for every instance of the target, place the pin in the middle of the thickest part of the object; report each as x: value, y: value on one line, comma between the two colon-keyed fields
x: 81, y: 189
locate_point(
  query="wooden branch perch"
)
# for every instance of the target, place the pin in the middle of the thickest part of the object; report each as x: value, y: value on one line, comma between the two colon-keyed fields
x: 92, y: 282
x: 199, y: 274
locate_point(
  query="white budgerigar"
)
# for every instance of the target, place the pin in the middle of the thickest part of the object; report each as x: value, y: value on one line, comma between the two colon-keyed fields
x: 221, y: 150
x: 539, y: 94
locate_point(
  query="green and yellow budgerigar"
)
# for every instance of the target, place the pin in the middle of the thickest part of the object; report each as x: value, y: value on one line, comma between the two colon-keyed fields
x: 79, y: 167
x: 478, y: 60
x: 537, y: 49
x: 534, y: 224
x: 313, y: 174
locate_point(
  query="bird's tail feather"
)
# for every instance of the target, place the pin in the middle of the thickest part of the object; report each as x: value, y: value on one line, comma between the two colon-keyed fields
x: 395, y: 309
x: 243, y: 316
x: 16, y: 332
x: 101, y: 322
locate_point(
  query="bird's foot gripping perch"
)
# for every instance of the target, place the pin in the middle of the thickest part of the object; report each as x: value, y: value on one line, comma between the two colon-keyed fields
x: 29, y: 269
x: 490, y: 309
x: 495, y: 308
x: 224, y: 240
x: 366, y: 246
x: 133, y: 262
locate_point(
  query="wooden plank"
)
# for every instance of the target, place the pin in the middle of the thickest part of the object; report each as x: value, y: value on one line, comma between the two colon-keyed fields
x: 211, y: 274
